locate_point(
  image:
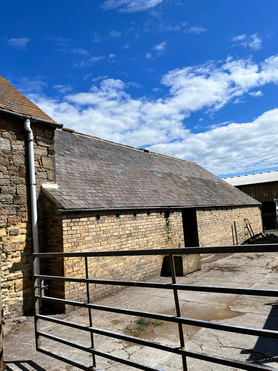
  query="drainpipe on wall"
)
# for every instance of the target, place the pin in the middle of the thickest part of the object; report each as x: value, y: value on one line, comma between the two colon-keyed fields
x: 34, y: 212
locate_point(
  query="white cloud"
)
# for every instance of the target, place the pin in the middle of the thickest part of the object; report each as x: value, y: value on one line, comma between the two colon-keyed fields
x: 235, y: 148
x: 115, y: 34
x: 18, y: 43
x: 109, y: 112
x: 28, y: 86
x: 79, y: 51
x: 256, y: 93
x: 63, y: 89
x: 131, y: 6
x: 239, y: 38
x: 90, y: 61
x: 196, y: 30
x: 160, y: 48
x: 96, y: 59
x: 253, y: 42
x: 95, y: 79
x: 96, y: 38
x: 149, y: 56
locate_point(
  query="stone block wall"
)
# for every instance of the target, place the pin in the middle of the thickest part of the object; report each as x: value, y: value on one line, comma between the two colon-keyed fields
x: 113, y: 231
x: 15, y: 221
x: 52, y: 241
x: 215, y: 225
x: 2, y: 367
x: 106, y: 231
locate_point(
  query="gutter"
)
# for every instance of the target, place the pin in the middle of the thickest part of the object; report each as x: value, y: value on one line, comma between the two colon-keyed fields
x: 32, y: 118
x: 147, y: 208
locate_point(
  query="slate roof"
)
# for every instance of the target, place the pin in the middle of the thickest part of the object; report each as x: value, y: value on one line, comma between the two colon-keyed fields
x: 12, y: 100
x: 268, y: 177
x: 97, y: 174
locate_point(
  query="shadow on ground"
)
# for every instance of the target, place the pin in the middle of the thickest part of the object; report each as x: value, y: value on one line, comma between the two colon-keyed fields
x: 266, y: 349
x: 24, y: 366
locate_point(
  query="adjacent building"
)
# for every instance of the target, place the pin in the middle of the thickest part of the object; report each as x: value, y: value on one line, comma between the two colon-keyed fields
x: 264, y: 188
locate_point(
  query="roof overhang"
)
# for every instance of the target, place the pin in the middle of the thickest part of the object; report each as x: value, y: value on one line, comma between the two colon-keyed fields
x: 32, y: 118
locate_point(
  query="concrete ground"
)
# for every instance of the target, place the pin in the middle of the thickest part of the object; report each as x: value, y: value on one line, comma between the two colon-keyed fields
x: 238, y: 270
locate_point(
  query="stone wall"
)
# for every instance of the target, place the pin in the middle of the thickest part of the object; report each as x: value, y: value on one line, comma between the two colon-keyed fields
x: 215, y: 225
x: 111, y: 231
x: 15, y: 221
x: 106, y: 231
x: 1, y: 328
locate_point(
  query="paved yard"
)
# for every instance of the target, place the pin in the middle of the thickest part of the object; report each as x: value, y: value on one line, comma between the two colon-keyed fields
x: 238, y: 270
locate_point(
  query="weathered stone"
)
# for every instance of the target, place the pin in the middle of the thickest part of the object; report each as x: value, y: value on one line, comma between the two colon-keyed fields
x: 18, y: 160
x: 5, y: 144
x: 9, y: 135
x: 45, y: 142
x: 3, y: 221
x: 17, y: 181
x: 51, y: 175
x: 7, y: 190
x: 49, y: 133
x: 6, y: 198
x: 4, y: 182
x: 22, y: 172
x: 14, y: 232
x: 20, y: 200
x: 18, y: 286
x: 21, y: 190
x: 48, y: 162
x: 18, y: 146
x: 7, y: 152
x: 40, y: 151
x: 4, y: 162
x: 14, y: 219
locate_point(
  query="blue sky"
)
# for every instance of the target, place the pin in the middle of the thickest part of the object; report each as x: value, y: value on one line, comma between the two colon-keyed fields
x: 196, y: 79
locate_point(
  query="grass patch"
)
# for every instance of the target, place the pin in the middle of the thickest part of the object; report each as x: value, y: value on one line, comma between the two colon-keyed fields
x: 142, y: 324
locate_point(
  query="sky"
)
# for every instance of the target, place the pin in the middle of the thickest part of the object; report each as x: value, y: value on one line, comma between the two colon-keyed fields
x: 193, y: 79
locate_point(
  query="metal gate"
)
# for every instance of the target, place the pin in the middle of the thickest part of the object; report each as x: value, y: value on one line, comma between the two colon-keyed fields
x: 177, y: 318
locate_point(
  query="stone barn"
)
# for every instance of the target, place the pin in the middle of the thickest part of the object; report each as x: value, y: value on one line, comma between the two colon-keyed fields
x: 93, y: 194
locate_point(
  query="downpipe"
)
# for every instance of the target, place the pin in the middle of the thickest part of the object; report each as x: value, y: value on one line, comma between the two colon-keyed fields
x: 34, y: 212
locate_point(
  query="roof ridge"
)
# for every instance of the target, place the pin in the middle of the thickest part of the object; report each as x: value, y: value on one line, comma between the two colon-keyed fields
x: 244, y: 175
x: 124, y: 145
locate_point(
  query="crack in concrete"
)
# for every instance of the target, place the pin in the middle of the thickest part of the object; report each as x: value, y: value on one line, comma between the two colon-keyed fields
x: 258, y: 356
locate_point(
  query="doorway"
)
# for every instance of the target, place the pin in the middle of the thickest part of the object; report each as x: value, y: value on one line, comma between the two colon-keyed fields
x: 190, y: 230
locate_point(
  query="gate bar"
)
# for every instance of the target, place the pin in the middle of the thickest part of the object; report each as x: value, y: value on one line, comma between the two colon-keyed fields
x: 89, y: 312
x: 264, y: 248
x: 214, y: 289
x: 196, y: 355
x: 168, y: 318
x: 178, y: 311
x: 93, y: 351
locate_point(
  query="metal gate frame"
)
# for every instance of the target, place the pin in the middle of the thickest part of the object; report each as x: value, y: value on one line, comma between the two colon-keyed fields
x: 178, y: 319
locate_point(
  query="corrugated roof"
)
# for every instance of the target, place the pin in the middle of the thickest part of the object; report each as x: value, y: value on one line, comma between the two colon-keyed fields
x: 12, y: 100
x: 270, y: 176
x: 97, y: 174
